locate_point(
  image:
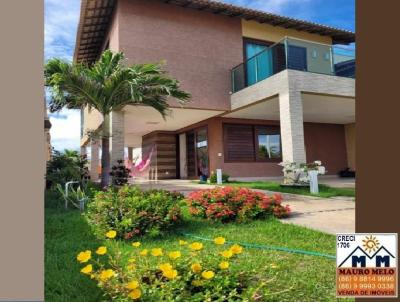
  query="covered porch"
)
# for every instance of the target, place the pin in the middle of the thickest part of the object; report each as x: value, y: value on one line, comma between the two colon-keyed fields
x: 315, y: 113
x: 146, y: 142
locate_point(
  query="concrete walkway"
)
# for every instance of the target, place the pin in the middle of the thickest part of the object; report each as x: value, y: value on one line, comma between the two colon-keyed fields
x: 330, y: 215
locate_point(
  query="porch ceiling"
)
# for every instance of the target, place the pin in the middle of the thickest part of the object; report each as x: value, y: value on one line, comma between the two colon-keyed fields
x: 141, y: 120
x: 316, y: 108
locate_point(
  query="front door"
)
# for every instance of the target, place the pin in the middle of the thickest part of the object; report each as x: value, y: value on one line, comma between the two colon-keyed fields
x: 197, y: 153
x: 202, y: 153
x: 190, y: 154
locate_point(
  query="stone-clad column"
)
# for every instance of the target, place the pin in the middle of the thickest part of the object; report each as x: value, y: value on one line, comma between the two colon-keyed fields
x: 94, y: 159
x: 117, y: 140
x: 291, y: 121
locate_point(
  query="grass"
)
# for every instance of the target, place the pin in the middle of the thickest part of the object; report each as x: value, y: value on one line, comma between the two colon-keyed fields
x: 297, y: 277
x: 324, y: 190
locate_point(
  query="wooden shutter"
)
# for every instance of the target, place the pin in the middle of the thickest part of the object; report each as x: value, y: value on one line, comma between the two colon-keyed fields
x: 239, y: 143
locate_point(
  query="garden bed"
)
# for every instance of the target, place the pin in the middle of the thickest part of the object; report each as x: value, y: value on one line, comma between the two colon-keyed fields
x: 293, y: 277
x: 324, y: 190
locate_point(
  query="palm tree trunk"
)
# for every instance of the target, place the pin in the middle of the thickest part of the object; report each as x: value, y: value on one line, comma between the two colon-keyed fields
x: 105, y: 152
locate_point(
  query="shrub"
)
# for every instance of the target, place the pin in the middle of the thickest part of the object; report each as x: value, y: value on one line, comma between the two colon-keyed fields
x: 213, y: 178
x: 235, y: 204
x: 192, y: 272
x: 133, y: 212
x: 66, y: 166
x: 120, y: 174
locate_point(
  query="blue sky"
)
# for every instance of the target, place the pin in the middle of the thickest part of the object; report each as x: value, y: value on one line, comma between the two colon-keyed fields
x: 61, y: 22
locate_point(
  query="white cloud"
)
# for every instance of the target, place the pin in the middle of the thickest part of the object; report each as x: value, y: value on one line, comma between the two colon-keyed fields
x: 65, y: 132
x: 61, y: 22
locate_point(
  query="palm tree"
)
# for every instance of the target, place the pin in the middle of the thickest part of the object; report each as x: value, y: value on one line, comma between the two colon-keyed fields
x: 108, y: 86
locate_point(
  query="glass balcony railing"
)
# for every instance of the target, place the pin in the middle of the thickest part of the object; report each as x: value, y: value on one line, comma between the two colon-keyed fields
x: 291, y: 53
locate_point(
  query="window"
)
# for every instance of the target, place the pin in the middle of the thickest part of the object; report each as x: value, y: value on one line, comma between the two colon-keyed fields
x: 239, y: 143
x: 249, y: 143
x: 268, y: 143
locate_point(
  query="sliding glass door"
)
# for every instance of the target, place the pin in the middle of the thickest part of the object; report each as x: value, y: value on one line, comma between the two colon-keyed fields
x: 258, y: 62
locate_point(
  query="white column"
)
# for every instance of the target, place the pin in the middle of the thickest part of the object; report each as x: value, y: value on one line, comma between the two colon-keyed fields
x: 130, y: 153
x: 117, y: 140
x: 94, y: 159
x: 291, y: 121
x: 182, y: 156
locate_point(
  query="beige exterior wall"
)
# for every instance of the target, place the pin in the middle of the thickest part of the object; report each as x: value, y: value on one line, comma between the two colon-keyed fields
x: 350, y: 132
x: 255, y: 30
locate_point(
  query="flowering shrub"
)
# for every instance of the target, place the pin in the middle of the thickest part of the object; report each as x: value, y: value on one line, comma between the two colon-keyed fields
x: 188, y: 273
x: 297, y: 174
x: 235, y: 204
x: 132, y: 212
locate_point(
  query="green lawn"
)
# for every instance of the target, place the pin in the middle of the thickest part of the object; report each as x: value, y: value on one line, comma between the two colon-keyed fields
x: 324, y: 190
x: 297, y: 277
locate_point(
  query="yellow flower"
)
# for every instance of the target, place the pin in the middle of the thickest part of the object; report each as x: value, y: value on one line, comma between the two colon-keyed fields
x: 196, y: 246
x: 170, y: 274
x: 131, y: 266
x: 165, y: 267
x: 174, y: 255
x: 227, y: 254
x: 182, y: 242
x: 224, y: 265
x: 144, y: 252
x: 196, y: 267
x: 219, y: 240
x: 135, y: 294
x: 197, y: 283
x: 106, y: 274
x: 101, y: 250
x: 208, y: 274
x: 84, y: 256
x: 87, y: 269
x: 273, y: 265
x: 236, y: 249
x: 132, y: 285
x: 136, y: 244
x: 156, y: 252
x: 111, y: 234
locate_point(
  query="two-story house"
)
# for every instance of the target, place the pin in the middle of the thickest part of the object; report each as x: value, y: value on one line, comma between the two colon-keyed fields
x: 265, y: 88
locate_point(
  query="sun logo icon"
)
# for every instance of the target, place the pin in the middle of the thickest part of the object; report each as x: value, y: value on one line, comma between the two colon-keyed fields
x: 370, y: 244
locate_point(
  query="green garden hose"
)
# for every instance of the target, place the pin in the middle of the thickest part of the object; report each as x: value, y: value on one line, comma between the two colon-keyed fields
x: 267, y: 247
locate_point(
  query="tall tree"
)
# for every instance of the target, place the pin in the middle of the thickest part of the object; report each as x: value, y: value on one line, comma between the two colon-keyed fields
x: 108, y: 85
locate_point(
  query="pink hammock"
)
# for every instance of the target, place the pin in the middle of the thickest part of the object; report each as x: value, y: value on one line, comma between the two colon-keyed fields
x: 141, y: 165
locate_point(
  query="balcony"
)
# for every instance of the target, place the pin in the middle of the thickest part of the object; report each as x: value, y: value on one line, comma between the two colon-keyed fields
x: 296, y: 54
